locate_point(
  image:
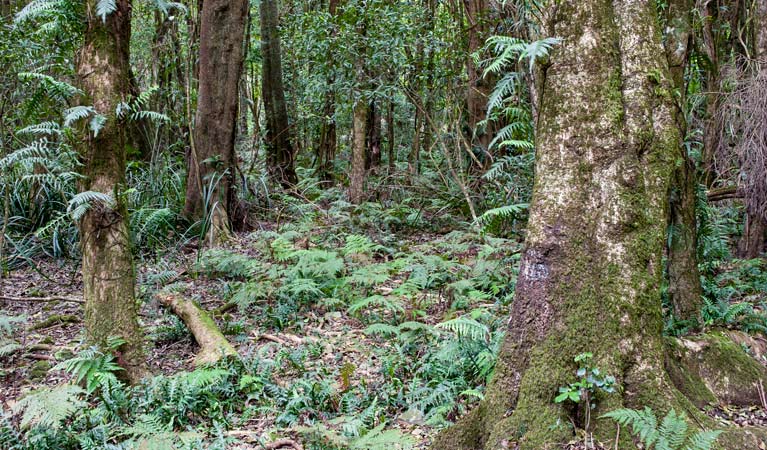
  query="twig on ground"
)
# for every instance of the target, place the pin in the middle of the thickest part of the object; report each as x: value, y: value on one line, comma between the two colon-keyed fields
x: 41, y: 299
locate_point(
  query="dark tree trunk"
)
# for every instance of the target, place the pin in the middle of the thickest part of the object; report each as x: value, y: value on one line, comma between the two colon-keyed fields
x: 685, y: 291
x: 414, y: 158
x: 212, y: 165
x: 390, y: 137
x: 103, y: 66
x: 752, y: 242
x: 279, y: 150
x: 358, y: 172
x: 590, y: 275
x: 479, y: 88
x: 373, y: 137
x: 326, y: 150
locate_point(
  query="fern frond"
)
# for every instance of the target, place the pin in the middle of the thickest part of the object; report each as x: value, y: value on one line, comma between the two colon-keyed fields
x: 50, y: 407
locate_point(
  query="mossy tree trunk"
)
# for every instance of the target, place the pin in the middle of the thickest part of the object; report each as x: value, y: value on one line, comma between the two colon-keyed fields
x: 212, y: 164
x: 279, y: 149
x: 685, y: 291
x: 107, y: 261
x: 590, y: 276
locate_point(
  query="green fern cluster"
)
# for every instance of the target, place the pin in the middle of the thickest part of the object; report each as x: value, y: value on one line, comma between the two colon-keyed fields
x: 671, y: 434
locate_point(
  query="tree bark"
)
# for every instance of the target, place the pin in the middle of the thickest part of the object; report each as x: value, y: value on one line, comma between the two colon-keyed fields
x: 390, y: 137
x: 357, y: 177
x: 279, y: 149
x: 212, y: 165
x: 326, y: 149
x: 752, y: 241
x: 103, y: 66
x: 684, y: 288
x: 590, y: 275
x: 685, y: 291
x: 373, y: 137
x: 479, y: 88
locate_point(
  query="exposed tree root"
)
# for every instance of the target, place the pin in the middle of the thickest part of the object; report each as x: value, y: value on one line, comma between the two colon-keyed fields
x: 213, y: 344
x: 688, y: 383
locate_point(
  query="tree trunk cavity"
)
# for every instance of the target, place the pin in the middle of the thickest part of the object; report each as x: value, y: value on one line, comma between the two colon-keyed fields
x: 590, y: 276
x: 279, y: 149
x: 210, y: 194
x: 107, y: 262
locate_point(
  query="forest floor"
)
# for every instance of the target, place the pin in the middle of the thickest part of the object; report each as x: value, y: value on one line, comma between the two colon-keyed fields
x: 343, y: 330
x: 336, y: 313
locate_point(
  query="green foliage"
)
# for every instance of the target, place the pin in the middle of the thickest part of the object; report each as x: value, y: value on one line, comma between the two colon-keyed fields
x: 591, y: 382
x: 671, y: 434
x: 91, y: 367
x: 49, y: 407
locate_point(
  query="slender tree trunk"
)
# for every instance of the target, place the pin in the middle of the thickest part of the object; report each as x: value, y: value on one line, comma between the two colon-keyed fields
x: 326, y: 149
x: 373, y: 137
x: 279, y: 150
x: 479, y: 88
x: 212, y: 165
x: 390, y: 137
x: 685, y: 291
x: 103, y: 66
x: 752, y: 242
x: 357, y: 177
x: 414, y: 158
x: 590, y: 275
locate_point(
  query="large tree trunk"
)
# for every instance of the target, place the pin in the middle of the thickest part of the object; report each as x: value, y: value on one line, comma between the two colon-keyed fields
x: 590, y: 276
x: 279, y: 150
x: 212, y: 164
x: 358, y: 172
x: 685, y: 291
x: 107, y: 262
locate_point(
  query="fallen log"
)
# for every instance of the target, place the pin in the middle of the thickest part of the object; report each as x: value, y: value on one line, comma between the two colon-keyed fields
x: 213, y: 344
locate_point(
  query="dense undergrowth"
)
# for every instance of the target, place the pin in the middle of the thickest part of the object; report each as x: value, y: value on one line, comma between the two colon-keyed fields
x: 427, y: 312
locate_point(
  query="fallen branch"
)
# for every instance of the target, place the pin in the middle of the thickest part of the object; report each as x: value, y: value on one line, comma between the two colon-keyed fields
x: 40, y: 357
x: 41, y: 299
x: 272, y: 338
x: 224, y: 308
x: 213, y: 344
